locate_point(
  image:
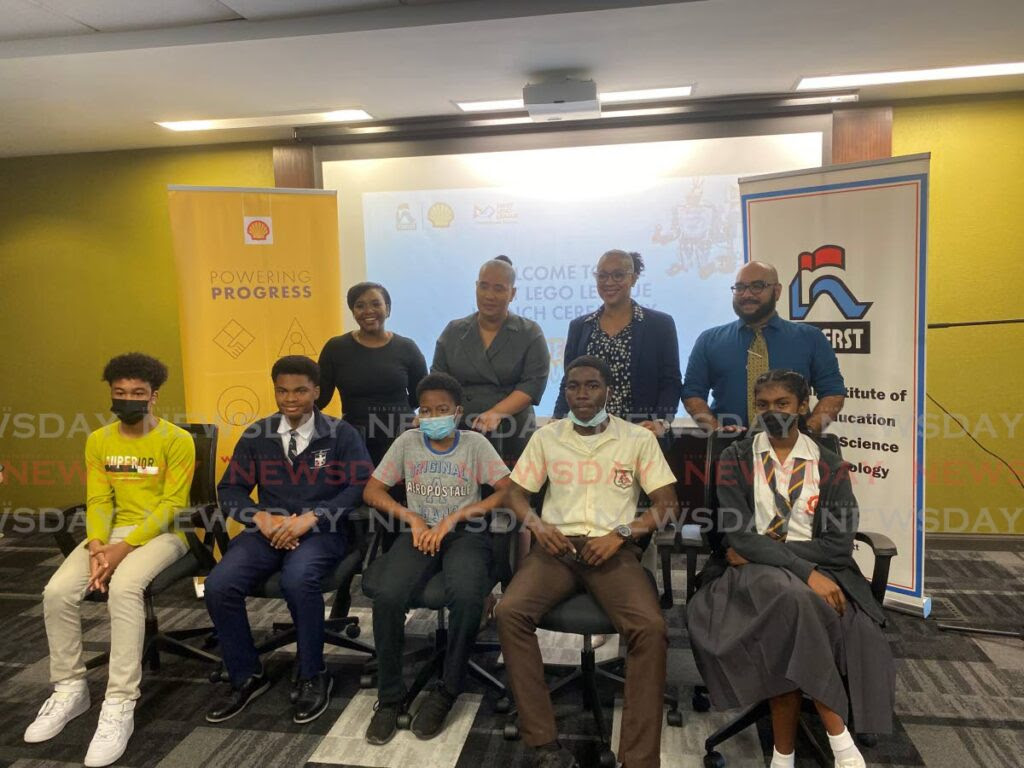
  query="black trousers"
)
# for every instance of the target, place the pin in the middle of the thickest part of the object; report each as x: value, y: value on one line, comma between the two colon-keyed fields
x: 395, y: 581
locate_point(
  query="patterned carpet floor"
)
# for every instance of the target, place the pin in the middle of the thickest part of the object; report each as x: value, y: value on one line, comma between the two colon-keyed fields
x: 959, y: 699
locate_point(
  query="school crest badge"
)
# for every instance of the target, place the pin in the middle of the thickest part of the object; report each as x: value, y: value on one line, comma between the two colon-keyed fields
x: 623, y: 478
x: 319, y: 458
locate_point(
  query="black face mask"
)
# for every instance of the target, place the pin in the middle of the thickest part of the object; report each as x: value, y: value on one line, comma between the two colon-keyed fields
x: 778, y: 423
x: 129, y: 411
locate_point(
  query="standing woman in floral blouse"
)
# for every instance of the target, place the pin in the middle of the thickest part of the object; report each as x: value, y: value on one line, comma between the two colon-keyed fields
x: 638, y: 343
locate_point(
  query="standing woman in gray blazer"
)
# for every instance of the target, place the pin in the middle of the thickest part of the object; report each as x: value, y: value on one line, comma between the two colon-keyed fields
x: 501, y: 360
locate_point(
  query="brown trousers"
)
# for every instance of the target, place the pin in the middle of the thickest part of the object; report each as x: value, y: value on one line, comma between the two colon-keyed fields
x: 623, y: 590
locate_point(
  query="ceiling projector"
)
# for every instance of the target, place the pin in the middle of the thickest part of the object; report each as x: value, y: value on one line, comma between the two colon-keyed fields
x: 562, y: 100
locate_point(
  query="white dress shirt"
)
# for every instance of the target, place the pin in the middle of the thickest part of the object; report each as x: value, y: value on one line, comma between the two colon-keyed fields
x: 303, y: 434
x: 801, y: 519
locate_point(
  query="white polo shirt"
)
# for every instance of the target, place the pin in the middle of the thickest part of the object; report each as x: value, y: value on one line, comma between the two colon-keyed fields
x: 594, y: 482
x: 801, y: 519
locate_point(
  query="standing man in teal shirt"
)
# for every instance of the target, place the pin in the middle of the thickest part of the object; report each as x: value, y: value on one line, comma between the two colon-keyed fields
x: 727, y: 359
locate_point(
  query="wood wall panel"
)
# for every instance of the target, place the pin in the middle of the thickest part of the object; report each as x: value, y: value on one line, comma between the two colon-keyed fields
x: 861, y: 134
x: 293, y: 167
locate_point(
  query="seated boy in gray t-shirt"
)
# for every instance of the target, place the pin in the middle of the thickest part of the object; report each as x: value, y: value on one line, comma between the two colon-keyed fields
x: 443, y: 469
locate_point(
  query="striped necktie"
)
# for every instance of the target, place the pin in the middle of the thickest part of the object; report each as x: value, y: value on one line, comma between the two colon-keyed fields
x: 292, y: 452
x: 779, y: 525
x: 757, y: 363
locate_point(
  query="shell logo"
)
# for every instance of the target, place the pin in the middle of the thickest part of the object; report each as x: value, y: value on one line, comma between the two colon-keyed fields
x: 441, y: 215
x: 258, y: 230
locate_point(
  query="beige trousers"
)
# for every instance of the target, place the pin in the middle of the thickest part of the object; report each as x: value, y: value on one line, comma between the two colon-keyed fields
x: 62, y: 599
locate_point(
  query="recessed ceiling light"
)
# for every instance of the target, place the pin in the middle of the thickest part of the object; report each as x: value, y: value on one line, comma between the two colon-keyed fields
x: 910, y: 76
x: 647, y: 94
x: 489, y: 106
x: 306, y: 118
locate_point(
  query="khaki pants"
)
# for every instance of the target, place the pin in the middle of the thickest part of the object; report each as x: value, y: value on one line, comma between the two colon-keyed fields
x: 623, y: 590
x: 62, y: 598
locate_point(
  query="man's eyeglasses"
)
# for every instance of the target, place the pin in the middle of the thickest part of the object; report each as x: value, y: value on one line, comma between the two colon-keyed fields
x: 619, y: 276
x: 756, y: 288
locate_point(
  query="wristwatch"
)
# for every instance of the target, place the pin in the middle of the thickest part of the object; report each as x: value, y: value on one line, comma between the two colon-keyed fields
x: 625, y: 532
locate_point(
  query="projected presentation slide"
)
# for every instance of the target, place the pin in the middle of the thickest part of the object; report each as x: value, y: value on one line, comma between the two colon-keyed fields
x: 422, y: 226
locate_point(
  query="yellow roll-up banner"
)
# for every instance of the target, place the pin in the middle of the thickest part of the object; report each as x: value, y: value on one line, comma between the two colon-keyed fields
x: 258, y: 278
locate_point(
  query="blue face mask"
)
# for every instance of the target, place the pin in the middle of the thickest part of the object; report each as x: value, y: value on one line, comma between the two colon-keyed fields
x: 438, y: 428
x: 598, y: 418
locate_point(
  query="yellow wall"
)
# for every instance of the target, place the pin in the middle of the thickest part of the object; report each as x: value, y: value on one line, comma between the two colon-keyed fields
x: 975, y: 259
x: 87, y: 272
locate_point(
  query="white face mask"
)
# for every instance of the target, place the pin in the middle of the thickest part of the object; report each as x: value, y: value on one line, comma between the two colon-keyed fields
x: 597, y: 418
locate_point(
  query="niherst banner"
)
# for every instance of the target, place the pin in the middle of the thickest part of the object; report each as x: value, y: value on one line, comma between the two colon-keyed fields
x: 258, y: 278
x: 849, y: 245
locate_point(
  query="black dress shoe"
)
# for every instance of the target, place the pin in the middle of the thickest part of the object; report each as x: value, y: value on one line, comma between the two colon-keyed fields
x: 238, y: 699
x: 314, y: 696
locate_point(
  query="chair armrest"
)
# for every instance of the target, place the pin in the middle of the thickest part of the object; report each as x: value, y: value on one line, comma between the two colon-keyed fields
x: 204, y: 518
x: 880, y: 544
x: 884, y: 550
x: 65, y: 518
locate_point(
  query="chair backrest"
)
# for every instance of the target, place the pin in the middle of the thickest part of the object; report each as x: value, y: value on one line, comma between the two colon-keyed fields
x: 204, y: 481
x: 717, y: 442
x: 687, y: 458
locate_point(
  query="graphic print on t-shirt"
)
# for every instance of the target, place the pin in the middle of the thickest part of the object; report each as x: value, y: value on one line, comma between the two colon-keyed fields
x: 130, y: 467
x: 441, y: 487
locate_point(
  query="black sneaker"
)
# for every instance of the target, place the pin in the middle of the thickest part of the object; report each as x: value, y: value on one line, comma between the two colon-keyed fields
x: 430, y: 717
x: 553, y: 757
x: 384, y: 723
x: 314, y: 696
x: 238, y: 699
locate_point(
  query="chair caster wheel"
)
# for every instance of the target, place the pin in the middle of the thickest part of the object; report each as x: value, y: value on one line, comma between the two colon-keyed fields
x: 219, y: 676
x: 404, y: 721
x: 868, y: 740
x: 511, y: 732
x: 700, y: 702
x: 607, y: 759
x: 714, y: 760
x: 352, y: 631
x: 366, y: 681
x: 674, y: 718
x: 502, y: 705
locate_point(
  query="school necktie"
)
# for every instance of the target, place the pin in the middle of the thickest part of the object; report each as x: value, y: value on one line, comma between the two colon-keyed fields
x: 757, y: 363
x: 292, y: 452
x: 779, y: 526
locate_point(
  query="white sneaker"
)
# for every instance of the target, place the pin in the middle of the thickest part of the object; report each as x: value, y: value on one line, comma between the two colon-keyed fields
x: 853, y: 761
x: 65, y: 704
x: 117, y: 721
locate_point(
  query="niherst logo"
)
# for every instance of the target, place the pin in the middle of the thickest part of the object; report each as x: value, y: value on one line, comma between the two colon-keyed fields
x: 258, y: 230
x: 852, y: 335
x: 404, y: 220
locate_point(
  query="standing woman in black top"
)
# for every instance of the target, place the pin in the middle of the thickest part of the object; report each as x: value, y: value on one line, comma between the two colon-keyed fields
x: 374, y: 370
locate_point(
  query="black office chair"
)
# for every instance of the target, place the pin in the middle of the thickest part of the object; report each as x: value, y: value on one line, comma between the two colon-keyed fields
x: 687, y: 458
x: 580, y: 614
x: 340, y: 628
x: 197, y: 561
x: 882, y: 547
x: 432, y: 597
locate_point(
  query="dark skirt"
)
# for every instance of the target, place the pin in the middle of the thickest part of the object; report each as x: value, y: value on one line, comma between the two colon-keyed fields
x: 758, y: 631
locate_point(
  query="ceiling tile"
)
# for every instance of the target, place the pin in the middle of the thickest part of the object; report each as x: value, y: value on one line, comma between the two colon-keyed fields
x: 121, y: 15
x: 21, y: 20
